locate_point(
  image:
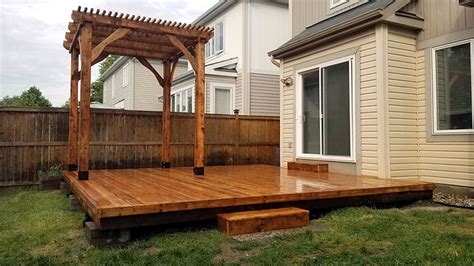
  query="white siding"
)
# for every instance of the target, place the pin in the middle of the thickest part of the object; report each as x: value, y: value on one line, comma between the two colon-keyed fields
x: 233, y: 34
x: 269, y: 29
x: 238, y: 92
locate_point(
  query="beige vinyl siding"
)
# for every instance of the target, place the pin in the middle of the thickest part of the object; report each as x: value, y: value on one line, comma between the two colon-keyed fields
x: 264, y: 94
x: 448, y: 162
x: 121, y: 92
x: 368, y: 107
x: 365, y: 42
x: 306, y: 12
x: 147, y: 89
x: 402, y: 102
x: 238, y: 92
x: 443, y: 17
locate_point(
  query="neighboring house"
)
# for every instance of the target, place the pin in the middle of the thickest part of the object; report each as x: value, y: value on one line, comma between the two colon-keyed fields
x: 239, y: 74
x: 129, y: 85
x: 380, y: 88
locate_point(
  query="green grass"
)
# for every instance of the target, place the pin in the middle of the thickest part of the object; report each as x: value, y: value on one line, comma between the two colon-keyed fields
x: 36, y: 227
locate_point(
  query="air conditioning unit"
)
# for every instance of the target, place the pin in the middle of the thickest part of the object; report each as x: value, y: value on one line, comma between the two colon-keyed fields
x: 468, y: 3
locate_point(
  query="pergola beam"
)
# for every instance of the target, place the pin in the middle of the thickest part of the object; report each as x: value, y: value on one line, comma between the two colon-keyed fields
x: 141, y: 25
x: 147, y: 64
x: 176, y: 42
x: 116, y: 35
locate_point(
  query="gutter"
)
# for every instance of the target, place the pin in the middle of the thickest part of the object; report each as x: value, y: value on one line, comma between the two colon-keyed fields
x: 274, y: 61
x: 330, y: 33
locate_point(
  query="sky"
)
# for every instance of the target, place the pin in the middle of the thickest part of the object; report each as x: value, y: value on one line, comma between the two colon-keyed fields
x: 32, y: 34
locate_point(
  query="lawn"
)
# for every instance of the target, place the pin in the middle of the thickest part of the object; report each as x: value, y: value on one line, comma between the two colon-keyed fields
x: 36, y: 227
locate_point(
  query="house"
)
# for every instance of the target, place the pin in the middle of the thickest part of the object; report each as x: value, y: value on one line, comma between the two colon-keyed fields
x: 239, y: 74
x: 129, y: 85
x: 380, y: 88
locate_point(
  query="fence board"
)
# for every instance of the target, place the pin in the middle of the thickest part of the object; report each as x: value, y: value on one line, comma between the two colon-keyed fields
x: 36, y: 139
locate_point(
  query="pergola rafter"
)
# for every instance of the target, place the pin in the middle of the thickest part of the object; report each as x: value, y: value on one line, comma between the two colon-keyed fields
x: 94, y: 34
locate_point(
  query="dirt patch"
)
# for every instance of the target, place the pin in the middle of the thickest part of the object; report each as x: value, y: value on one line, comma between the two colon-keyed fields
x: 230, y: 255
x: 151, y: 251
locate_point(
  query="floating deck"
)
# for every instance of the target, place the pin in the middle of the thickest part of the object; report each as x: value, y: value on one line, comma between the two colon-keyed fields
x: 126, y: 198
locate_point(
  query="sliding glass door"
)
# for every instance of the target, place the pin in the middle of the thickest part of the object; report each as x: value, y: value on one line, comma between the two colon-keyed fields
x: 324, y: 129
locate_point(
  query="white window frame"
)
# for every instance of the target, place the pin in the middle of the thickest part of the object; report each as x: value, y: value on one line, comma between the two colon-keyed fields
x: 230, y: 87
x: 299, y: 113
x: 434, y: 102
x: 333, y: 5
x: 113, y: 85
x: 211, y: 42
x: 125, y: 75
x: 183, y: 92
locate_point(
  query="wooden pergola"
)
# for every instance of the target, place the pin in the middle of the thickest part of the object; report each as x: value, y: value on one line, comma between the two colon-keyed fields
x: 94, y: 34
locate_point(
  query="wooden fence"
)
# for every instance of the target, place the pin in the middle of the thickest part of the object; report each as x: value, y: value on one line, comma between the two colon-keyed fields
x: 36, y: 139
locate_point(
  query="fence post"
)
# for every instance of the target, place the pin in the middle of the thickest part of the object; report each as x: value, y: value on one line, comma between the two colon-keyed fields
x: 237, y: 137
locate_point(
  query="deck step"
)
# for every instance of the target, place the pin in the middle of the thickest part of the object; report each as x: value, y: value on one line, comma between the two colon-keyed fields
x: 310, y: 167
x: 247, y: 222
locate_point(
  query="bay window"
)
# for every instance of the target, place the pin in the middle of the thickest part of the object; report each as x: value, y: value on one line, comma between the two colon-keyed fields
x: 183, y: 101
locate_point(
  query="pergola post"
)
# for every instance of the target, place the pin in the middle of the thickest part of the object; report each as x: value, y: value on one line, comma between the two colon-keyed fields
x: 199, y: 109
x: 85, y: 44
x: 72, y: 137
x: 166, y: 120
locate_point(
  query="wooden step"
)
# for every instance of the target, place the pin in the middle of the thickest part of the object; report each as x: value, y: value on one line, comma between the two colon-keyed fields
x: 318, y: 168
x: 247, y: 222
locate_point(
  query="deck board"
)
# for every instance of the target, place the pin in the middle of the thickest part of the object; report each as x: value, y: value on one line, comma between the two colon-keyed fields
x: 128, y: 192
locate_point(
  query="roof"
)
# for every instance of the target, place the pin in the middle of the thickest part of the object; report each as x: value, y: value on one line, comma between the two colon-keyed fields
x: 222, y: 68
x: 222, y: 6
x: 366, y: 11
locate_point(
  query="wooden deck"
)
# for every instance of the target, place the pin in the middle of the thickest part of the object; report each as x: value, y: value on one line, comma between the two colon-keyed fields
x: 124, y: 198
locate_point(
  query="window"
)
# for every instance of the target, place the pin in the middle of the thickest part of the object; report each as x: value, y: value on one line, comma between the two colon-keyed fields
x: 325, y: 111
x: 125, y: 75
x: 183, y: 101
x: 113, y: 85
x: 222, y: 99
x: 216, y: 44
x: 173, y: 102
x: 334, y: 3
x: 453, y: 95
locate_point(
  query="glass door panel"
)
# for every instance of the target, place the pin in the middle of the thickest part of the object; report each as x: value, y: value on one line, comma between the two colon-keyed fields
x: 336, y: 111
x: 310, y: 115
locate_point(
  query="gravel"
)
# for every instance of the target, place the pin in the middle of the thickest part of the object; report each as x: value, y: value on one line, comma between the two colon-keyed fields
x: 453, y: 200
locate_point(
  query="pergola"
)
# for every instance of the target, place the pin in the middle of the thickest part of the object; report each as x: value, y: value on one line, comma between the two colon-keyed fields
x: 95, y: 34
